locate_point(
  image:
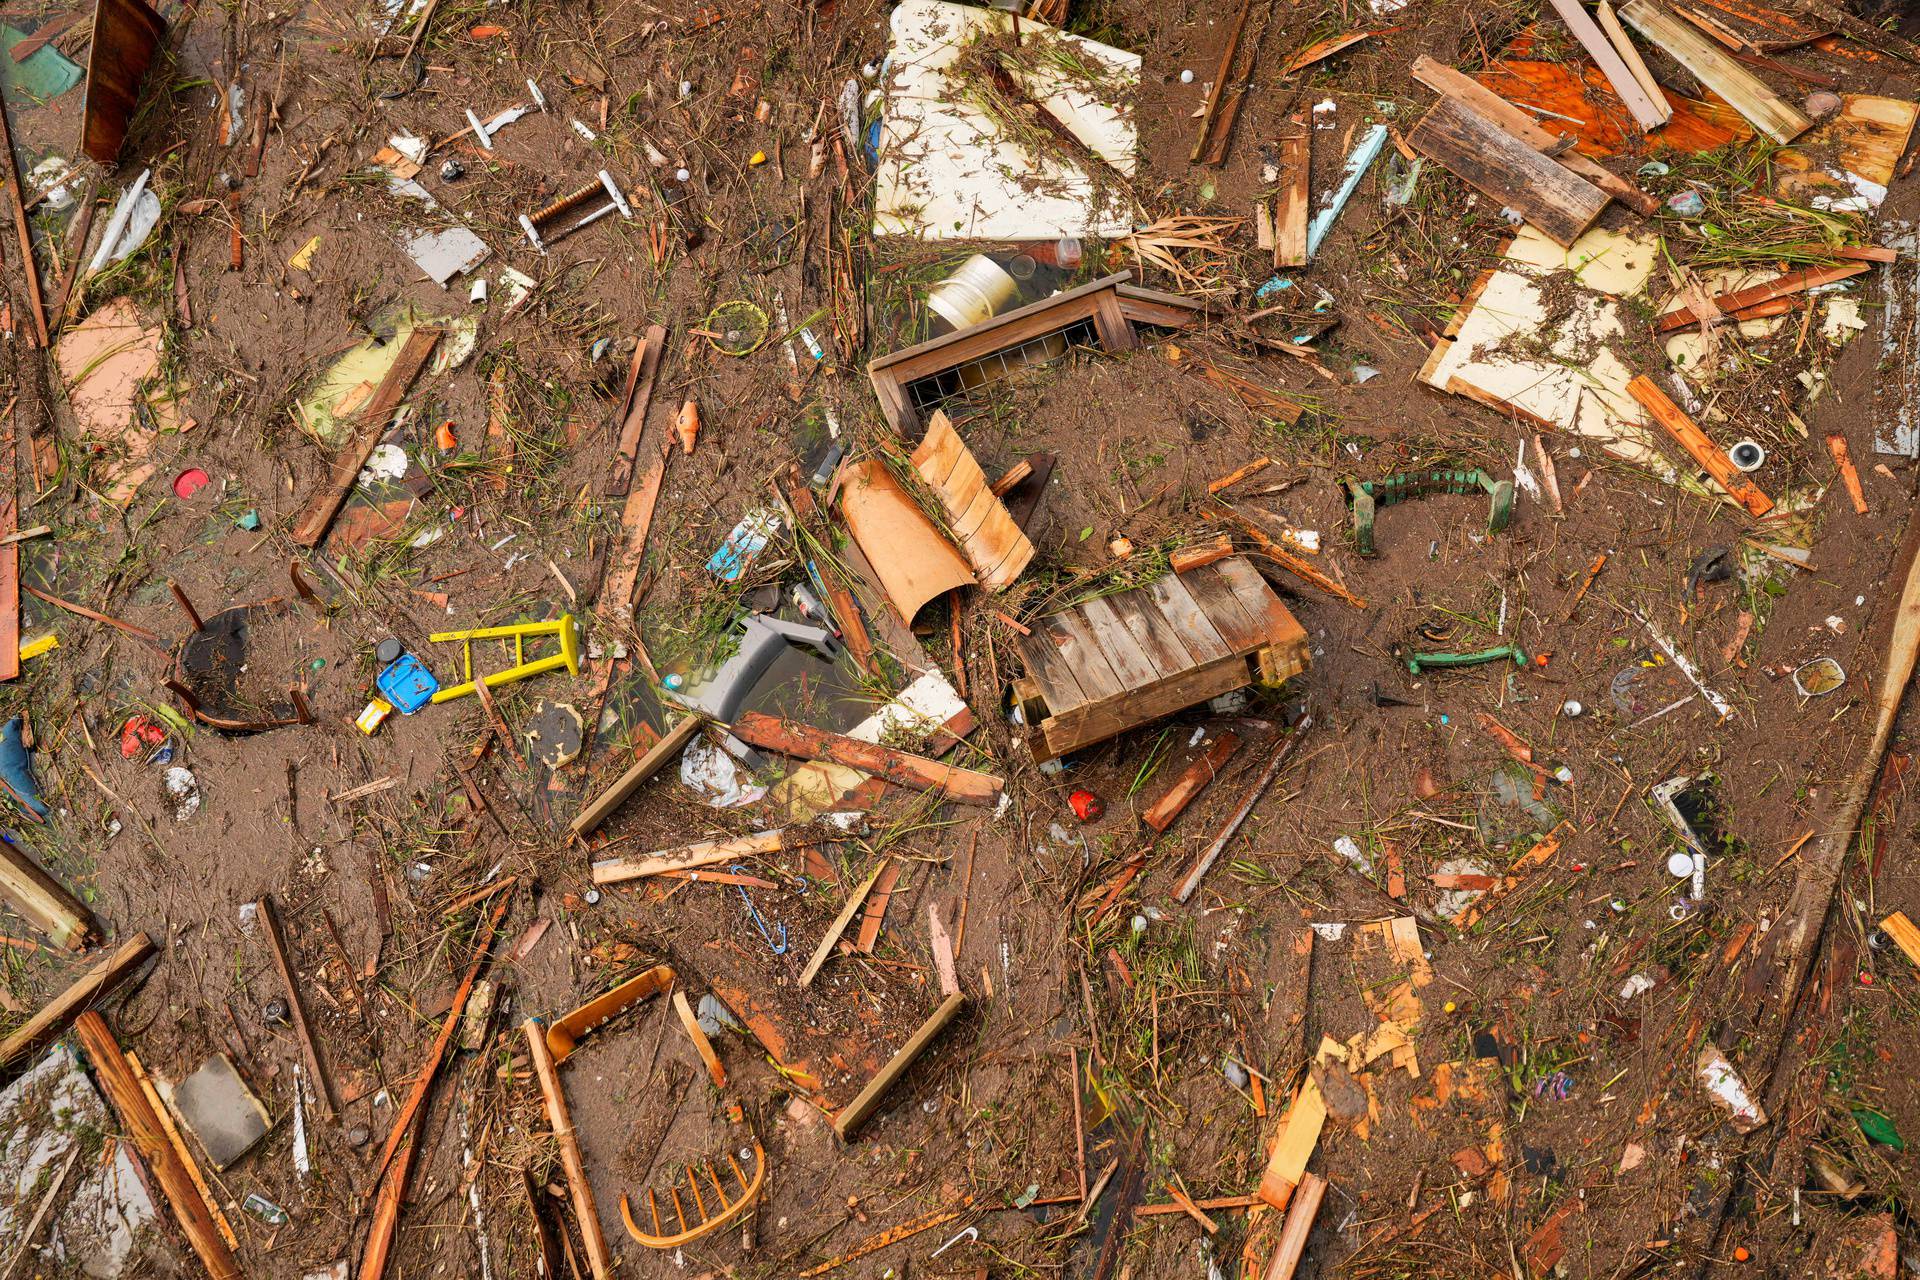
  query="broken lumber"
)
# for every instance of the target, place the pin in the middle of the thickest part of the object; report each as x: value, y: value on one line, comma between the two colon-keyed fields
x: 1188, y: 558
x: 1745, y: 92
x: 1486, y: 157
x: 1273, y: 551
x: 704, y: 853
x: 181, y: 1150
x: 149, y: 1136
x: 1622, y: 45
x: 1740, y: 299
x: 1293, y: 209
x: 309, y: 1048
x: 1711, y: 457
x: 898, y: 767
x: 1462, y: 88
x: 840, y: 923
x: 1644, y: 108
x: 1211, y: 854
x: 1534, y: 857
x: 599, y: 1258
x: 636, y: 398
x: 1293, y: 1237
x: 1904, y: 934
x: 1849, y: 474
x: 58, y: 1014
x: 868, y: 1099
x: 1299, y: 1135
x: 371, y: 422
x: 684, y: 1011
x: 657, y: 756
x: 1161, y: 813
x: 42, y: 901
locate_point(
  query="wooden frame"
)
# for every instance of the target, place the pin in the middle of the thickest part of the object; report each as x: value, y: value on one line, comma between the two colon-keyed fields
x: 1117, y: 662
x: 1112, y: 304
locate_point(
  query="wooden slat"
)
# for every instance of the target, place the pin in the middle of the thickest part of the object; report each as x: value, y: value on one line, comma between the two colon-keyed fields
x: 1188, y: 620
x: 57, y: 1014
x: 840, y: 922
x: 316, y: 1067
x: 1749, y: 95
x: 1740, y: 299
x: 125, y: 34
x: 1488, y: 158
x: 1122, y: 652
x: 636, y: 775
x: 1704, y: 451
x: 869, y: 1098
x: 1059, y: 686
x: 1299, y: 1225
x: 1283, y: 630
x: 1295, y: 202
x: 1161, y: 813
x: 1097, y: 722
x: 1071, y: 640
x: 1904, y: 935
x: 42, y: 900
x: 1149, y: 628
x: 704, y: 853
x: 1617, y: 36
x: 898, y: 767
x: 1216, y: 598
x: 1448, y: 82
x: 637, y: 400
x: 371, y: 423
x: 1650, y: 114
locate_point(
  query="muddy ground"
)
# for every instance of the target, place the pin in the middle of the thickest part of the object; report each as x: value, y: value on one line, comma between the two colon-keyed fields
x: 1101, y: 1049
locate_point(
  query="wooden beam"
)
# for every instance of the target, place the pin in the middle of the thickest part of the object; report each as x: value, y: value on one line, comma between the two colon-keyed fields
x: 1299, y: 1135
x: 24, y: 234
x: 1712, y: 459
x: 1197, y: 554
x: 1748, y: 94
x: 58, y: 1014
x: 1650, y: 114
x: 1485, y: 156
x: 1161, y: 813
x: 898, y: 767
x: 1293, y: 1236
x: 705, y: 853
x: 371, y: 423
x: 1447, y: 82
x: 1617, y: 35
x: 657, y: 756
x: 181, y: 1150
x: 122, y: 1088
x: 42, y: 901
x: 599, y: 1258
x: 868, y: 1100
x: 1740, y: 299
x: 277, y: 943
x: 840, y: 923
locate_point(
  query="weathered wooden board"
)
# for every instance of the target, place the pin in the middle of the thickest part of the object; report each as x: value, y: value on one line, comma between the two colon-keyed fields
x: 1648, y: 110
x: 1759, y: 105
x: 1488, y: 158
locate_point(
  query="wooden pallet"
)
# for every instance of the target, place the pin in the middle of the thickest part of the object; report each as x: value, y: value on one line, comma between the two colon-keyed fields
x: 1117, y: 662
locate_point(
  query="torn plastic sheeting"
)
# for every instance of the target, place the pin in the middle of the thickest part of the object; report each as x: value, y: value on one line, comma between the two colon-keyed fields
x: 708, y: 771
x: 948, y: 171
x: 1719, y: 1078
x: 914, y: 561
x: 135, y: 215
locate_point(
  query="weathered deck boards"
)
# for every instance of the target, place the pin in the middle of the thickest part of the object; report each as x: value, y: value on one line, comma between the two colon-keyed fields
x: 1109, y: 665
x: 1488, y: 158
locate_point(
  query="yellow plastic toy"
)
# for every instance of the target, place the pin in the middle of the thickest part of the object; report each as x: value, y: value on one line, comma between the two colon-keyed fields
x: 563, y: 628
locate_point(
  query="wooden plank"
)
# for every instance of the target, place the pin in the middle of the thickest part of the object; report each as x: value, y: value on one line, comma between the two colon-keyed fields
x: 840, y: 923
x: 1281, y: 629
x: 1188, y: 558
x: 1008, y: 329
x: 1904, y: 934
x: 1464, y: 89
x: 1704, y: 451
x: 1616, y: 34
x: 372, y: 423
x: 868, y: 1099
x: 1488, y: 158
x: 1077, y: 651
x: 1282, y: 752
x: 30, y: 267
x: 1210, y: 110
x: 1300, y: 1134
x: 1110, y: 321
x: 898, y: 767
x: 586, y: 1214
x: 635, y: 402
x: 1293, y: 1237
x: 1648, y: 111
x: 657, y: 756
x: 704, y: 853
x: 1740, y: 299
x: 309, y: 1048
x: 1745, y: 92
x: 1192, y: 781
x: 10, y: 550
x: 1123, y: 653
x: 1294, y: 205
x: 1241, y: 633
x: 123, y: 1090
x: 1097, y: 722
x: 125, y: 36
x: 1183, y: 613
x: 1149, y: 628
x: 58, y: 1014
x: 716, y: 1071
x: 42, y: 901
x: 1060, y: 687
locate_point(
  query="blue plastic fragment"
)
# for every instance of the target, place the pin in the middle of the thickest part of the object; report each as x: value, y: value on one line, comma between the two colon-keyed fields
x: 16, y: 769
x: 407, y: 684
